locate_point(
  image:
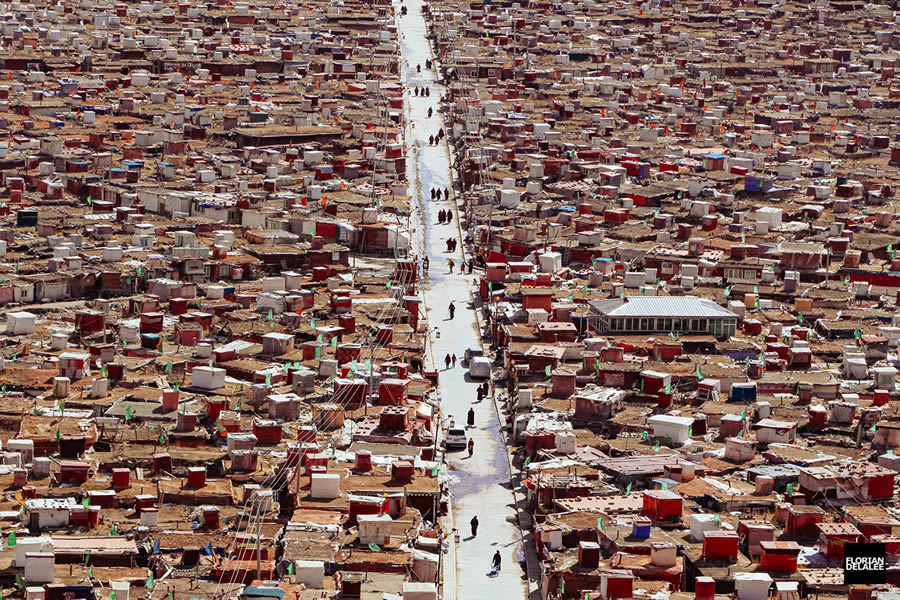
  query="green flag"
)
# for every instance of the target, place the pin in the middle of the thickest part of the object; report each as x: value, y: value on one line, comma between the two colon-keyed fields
x: 790, y: 489
x: 873, y: 428
x: 717, y: 520
x: 197, y: 571
x: 86, y: 502
x: 741, y: 433
x: 727, y: 290
x: 20, y: 581
x: 527, y: 461
x: 162, y: 437
x: 857, y: 333
x: 112, y: 596
x: 668, y: 388
x: 665, y: 486
x: 334, y: 342
x: 354, y: 365
x: 271, y: 314
x: 571, y: 297
x: 644, y: 435
x: 600, y: 524
x: 585, y: 289
x: 290, y: 568
x: 628, y: 488
x: 847, y: 279
x: 128, y: 413
x: 102, y: 373
x: 11, y: 539
x: 374, y: 547
x: 318, y: 351
x: 91, y: 572
x: 435, y: 470
x: 149, y: 582
x: 113, y: 531
x: 755, y: 289
x: 562, y: 586
x: 547, y: 371
x: 140, y: 270
x: 699, y: 373
x: 656, y: 447
x: 269, y: 376
x: 57, y: 434
x: 312, y: 324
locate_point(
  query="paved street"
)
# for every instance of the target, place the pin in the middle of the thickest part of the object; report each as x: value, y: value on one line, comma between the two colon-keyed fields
x: 481, y: 482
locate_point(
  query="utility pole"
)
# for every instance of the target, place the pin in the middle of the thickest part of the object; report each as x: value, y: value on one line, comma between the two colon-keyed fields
x: 258, y: 536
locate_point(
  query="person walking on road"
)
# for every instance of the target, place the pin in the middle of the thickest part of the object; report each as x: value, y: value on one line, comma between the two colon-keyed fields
x: 447, y: 361
x: 470, y: 418
x: 454, y: 361
x: 495, y: 563
x: 471, y: 447
x: 450, y: 264
x: 474, y: 525
x: 452, y: 310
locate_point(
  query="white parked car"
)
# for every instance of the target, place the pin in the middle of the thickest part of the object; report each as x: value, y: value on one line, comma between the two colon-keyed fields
x: 479, y: 368
x: 456, y: 438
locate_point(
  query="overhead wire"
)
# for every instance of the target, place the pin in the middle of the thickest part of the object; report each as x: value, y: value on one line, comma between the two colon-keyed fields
x: 281, y: 476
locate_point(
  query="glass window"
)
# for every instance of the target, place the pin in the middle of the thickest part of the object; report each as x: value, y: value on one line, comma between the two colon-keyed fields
x: 701, y: 325
x: 644, y: 324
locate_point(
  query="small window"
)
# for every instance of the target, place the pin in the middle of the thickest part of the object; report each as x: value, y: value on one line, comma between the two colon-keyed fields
x: 492, y: 72
x: 645, y: 324
x: 750, y: 274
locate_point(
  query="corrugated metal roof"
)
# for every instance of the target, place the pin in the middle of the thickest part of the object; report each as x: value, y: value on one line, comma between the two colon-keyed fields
x: 99, y: 544
x: 662, y: 306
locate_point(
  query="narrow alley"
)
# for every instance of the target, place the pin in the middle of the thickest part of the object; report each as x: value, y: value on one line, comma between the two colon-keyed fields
x: 481, y: 483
